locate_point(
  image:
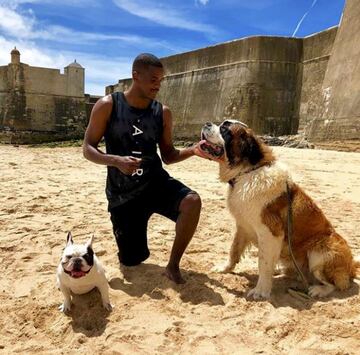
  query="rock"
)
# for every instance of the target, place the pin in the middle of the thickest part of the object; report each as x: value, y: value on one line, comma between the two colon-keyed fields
x: 292, y: 141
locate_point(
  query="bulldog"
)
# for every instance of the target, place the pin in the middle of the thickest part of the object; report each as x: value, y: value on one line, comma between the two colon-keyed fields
x: 79, y: 272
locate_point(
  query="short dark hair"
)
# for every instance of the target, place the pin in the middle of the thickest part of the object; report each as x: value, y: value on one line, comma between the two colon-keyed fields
x: 144, y: 60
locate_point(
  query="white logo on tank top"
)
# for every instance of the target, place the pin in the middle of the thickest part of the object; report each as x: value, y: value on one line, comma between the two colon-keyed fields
x: 137, y: 131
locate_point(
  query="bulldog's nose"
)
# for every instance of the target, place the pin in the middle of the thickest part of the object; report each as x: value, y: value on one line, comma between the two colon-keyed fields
x: 208, y: 124
x: 77, y: 263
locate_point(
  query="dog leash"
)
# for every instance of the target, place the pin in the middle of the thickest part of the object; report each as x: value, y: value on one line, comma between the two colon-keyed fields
x: 302, y: 293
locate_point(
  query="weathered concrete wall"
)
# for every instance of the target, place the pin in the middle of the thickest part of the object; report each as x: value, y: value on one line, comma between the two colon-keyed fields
x: 45, y: 81
x: 338, y: 116
x: 239, y: 79
x: 3, y: 79
x: 316, y: 53
x: 259, y: 48
x: 75, y: 81
x: 40, y: 104
x: 276, y: 85
x: 12, y: 112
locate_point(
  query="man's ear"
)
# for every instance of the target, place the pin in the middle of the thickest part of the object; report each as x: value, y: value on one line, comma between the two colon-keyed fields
x: 135, y: 75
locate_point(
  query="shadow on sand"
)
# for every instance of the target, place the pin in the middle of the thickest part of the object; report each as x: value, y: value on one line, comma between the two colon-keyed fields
x: 201, y: 288
x: 88, y: 315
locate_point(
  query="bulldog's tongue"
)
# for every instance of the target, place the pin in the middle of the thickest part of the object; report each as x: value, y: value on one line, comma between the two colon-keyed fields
x: 77, y: 273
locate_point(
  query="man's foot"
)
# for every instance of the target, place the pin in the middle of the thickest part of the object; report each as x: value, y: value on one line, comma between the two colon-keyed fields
x: 173, y: 273
x: 127, y: 272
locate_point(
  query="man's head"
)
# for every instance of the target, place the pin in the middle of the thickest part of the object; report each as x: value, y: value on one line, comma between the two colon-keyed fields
x: 147, y: 73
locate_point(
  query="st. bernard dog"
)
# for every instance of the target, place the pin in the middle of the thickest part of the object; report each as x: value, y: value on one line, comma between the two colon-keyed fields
x: 257, y: 199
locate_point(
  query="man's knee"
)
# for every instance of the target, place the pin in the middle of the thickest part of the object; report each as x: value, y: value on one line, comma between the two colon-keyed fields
x: 191, y: 203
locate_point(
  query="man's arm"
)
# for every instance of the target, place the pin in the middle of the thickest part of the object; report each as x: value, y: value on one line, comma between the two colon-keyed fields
x: 99, y: 119
x: 169, y: 153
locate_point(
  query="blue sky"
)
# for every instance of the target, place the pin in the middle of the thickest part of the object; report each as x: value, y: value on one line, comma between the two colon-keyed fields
x: 105, y: 36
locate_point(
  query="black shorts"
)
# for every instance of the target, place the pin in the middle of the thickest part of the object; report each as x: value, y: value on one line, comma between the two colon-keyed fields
x: 130, y: 219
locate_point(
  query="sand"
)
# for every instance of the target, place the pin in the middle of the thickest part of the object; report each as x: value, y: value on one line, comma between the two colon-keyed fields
x: 45, y: 192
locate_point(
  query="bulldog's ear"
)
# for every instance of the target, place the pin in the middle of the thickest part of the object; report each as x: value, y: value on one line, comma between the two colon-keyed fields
x: 90, y: 241
x: 69, y: 239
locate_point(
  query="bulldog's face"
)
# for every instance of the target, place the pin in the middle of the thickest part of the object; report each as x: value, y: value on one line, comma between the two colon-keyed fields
x: 235, y: 139
x: 77, y: 259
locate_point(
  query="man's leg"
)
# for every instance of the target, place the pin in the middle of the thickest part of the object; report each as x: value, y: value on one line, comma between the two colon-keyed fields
x: 187, y: 220
x: 129, y: 227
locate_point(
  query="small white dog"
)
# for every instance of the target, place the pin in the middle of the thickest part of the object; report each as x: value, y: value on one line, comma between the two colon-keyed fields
x: 79, y: 272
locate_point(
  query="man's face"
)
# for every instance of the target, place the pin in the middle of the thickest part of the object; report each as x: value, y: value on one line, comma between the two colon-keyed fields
x: 148, y: 80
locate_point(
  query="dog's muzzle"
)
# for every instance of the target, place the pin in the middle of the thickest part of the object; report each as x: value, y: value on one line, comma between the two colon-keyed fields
x: 213, y: 149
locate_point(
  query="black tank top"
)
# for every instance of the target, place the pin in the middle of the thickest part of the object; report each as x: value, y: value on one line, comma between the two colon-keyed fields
x: 133, y: 132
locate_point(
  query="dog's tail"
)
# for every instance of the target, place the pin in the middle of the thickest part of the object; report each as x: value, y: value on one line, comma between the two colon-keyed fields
x: 356, y: 268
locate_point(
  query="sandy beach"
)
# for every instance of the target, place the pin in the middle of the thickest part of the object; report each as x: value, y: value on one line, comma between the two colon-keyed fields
x: 45, y: 192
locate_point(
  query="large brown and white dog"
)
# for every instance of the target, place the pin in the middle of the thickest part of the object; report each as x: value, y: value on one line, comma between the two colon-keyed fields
x: 257, y: 199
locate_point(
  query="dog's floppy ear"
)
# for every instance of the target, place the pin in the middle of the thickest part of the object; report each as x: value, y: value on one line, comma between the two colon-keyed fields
x: 241, y: 146
x: 90, y: 241
x: 227, y: 137
x: 69, y: 239
x: 250, y: 149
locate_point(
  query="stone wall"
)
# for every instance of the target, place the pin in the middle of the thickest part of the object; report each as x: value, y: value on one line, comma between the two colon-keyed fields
x: 239, y: 79
x: 276, y: 85
x: 338, y: 115
x: 316, y: 53
x: 41, y: 104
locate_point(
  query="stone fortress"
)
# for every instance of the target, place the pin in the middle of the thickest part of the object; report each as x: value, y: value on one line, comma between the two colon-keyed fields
x: 277, y: 85
x: 41, y: 104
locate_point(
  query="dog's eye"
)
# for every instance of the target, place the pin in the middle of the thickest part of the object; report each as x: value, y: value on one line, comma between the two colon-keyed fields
x: 223, y: 129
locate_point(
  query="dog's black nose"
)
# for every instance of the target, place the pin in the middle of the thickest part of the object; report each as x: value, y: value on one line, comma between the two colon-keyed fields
x: 77, y: 263
x: 208, y: 124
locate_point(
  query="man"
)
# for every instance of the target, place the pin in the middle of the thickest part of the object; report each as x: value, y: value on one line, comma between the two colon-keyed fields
x: 133, y: 124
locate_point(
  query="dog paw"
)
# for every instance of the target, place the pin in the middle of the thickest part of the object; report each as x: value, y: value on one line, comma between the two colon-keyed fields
x: 259, y: 294
x: 108, y: 306
x: 319, y: 290
x: 65, y: 307
x: 222, y: 268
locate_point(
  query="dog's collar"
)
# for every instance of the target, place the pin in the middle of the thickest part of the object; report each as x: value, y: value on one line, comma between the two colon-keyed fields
x: 69, y: 272
x: 232, y: 181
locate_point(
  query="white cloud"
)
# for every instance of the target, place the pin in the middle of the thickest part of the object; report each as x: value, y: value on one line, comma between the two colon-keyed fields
x: 21, y: 26
x: 74, y: 3
x: 163, y: 15
x: 14, y: 24
x: 251, y: 4
x: 30, y: 54
x: 26, y: 27
x: 23, y: 30
x: 202, y: 2
x: 303, y: 18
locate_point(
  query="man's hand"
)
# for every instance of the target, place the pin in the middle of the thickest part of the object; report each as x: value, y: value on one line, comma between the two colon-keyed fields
x: 127, y: 164
x: 202, y: 154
